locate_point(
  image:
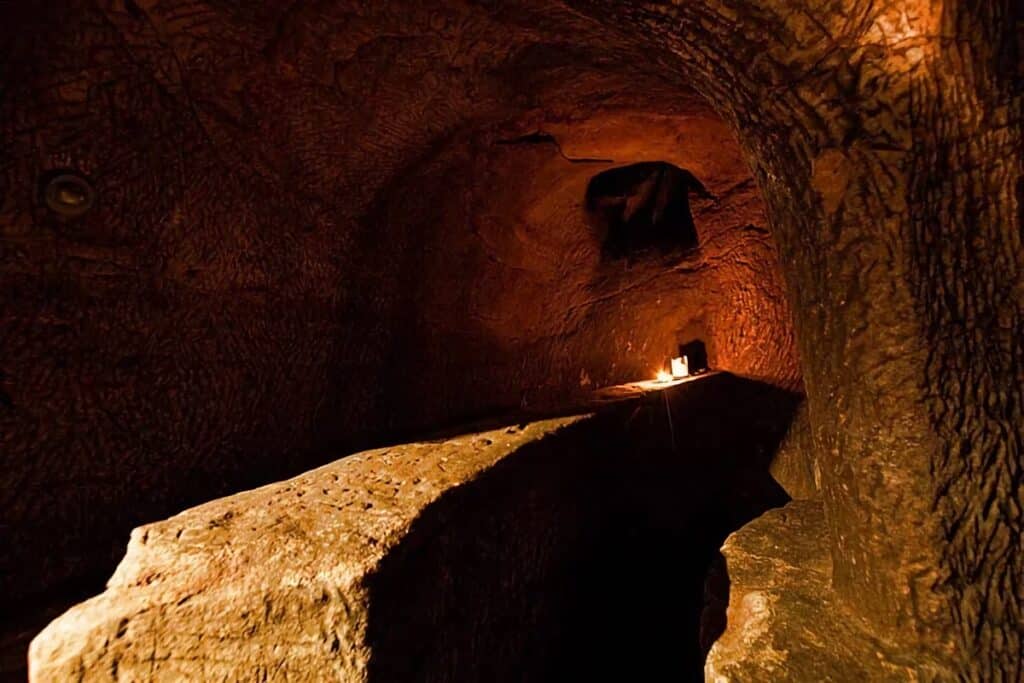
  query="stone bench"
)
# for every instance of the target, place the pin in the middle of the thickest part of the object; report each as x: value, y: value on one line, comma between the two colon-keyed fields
x: 553, y: 550
x: 273, y: 583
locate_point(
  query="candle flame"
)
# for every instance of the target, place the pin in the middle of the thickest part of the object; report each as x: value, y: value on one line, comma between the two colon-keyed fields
x: 664, y: 376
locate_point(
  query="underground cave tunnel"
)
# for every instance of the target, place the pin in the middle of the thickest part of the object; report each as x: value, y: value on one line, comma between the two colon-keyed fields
x: 346, y: 318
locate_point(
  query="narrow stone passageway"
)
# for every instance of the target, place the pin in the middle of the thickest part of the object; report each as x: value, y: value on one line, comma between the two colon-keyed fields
x: 514, y: 554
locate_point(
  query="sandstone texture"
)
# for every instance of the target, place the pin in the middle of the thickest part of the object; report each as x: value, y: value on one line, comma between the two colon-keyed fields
x: 784, y: 623
x: 318, y: 224
x: 271, y: 584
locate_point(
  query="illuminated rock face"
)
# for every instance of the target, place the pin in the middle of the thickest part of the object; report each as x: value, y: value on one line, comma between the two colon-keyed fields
x: 288, y: 202
x: 271, y: 584
x: 783, y: 621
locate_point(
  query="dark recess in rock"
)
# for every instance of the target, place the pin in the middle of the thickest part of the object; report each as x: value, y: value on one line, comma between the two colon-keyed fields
x: 643, y: 207
x: 541, y: 138
x: 696, y: 354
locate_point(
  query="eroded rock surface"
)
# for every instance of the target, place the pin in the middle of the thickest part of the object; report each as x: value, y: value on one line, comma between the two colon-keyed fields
x: 783, y: 620
x: 269, y: 584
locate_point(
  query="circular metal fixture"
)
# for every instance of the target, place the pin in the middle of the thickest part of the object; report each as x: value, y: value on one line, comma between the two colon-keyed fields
x: 68, y: 194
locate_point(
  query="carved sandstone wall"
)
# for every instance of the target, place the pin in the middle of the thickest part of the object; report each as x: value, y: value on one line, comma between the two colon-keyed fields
x: 308, y: 234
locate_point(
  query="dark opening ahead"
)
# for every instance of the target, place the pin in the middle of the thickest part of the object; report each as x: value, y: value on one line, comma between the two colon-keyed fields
x: 696, y: 355
x: 643, y: 207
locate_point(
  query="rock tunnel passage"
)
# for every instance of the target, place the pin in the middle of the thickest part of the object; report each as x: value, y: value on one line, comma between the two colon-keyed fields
x: 239, y: 239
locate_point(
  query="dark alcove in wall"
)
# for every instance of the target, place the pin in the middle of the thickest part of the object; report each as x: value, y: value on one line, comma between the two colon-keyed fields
x: 643, y: 207
x: 696, y: 355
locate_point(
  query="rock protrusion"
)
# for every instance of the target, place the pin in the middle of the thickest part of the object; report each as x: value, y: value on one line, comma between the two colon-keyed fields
x: 783, y: 621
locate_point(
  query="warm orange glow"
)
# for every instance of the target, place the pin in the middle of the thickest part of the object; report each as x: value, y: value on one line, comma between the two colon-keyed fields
x: 664, y: 376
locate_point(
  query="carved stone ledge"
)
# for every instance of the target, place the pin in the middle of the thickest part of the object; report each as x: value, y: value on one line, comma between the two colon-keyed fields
x: 273, y: 583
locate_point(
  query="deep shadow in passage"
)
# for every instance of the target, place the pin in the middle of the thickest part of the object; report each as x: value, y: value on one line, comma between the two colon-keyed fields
x: 582, y: 555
